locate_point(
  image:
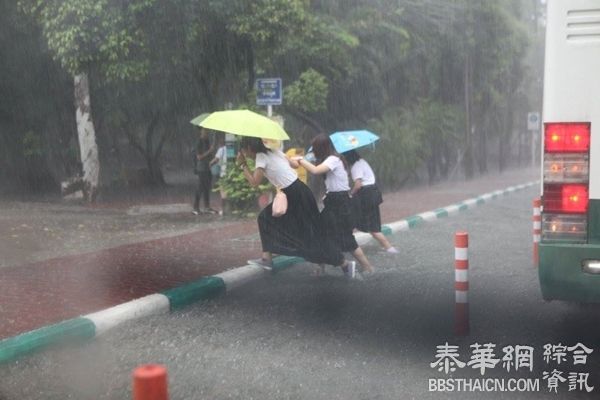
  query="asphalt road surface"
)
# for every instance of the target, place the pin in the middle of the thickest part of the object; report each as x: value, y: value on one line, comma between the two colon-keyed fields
x: 296, y: 336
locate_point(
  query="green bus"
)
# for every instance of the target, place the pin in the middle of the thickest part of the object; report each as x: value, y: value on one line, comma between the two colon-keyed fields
x: 569, y: 250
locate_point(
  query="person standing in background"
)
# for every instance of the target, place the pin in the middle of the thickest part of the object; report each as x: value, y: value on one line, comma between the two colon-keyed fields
x: 366, y: 198
x: 204, y: 150
x: 218, y: 167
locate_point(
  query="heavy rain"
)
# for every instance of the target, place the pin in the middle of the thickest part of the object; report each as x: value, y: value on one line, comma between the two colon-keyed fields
x: 299, y: 199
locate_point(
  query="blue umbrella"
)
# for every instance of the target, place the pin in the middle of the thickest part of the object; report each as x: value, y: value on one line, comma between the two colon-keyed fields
x: 351, y: 140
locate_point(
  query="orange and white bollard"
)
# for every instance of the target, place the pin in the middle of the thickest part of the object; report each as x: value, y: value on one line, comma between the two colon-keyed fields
x: 150, y: 382
x: 537, y: 230
x: 461, y: 283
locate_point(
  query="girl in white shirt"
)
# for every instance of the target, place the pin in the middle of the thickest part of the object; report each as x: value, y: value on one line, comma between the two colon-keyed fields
x: 299, y: 231
x: 366, y: 198
x: 337, y: 212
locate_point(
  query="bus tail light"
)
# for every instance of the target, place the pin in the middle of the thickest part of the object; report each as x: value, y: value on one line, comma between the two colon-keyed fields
x: 570, y: 199
x: 564, y: 228
x: 566, y: 182
x: 567, y: 137
x: 566, y: 168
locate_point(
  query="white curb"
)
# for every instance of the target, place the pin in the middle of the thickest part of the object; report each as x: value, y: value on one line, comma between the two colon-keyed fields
x: 149, y: 305
x: 237, y: 277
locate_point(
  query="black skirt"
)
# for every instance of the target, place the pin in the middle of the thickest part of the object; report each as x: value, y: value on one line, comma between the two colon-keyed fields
x: 299, y: 232
x: 366, y: 208
x: 338, y: 219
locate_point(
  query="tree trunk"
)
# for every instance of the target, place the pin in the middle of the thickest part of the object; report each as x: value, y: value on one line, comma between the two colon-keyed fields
x: 306, y: 119
x: 482, y: 147
x: 468, y: 154
x: 155, y: 171
x: 507, y: 135
x: 250, y: 65
x: 87, y: 138
x: 152, y: 155
x: 445, y: 161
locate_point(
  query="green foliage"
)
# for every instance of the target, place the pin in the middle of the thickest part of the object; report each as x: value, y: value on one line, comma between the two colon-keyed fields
x: 241, y: 196
x: 153, y: 65
x: 32, y: 145
x: 366, y: 80
x: 84, y: 32
x: 437, y: 123
x: 398, y: 149
x: 322, y: 44
x: 409, y: 137
x: 267, y: 21
x: 308, y: 93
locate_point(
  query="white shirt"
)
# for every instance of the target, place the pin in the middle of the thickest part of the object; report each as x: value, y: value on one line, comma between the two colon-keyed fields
x: 277, y: 168
x: 336, y: 179
x: 221, y: 155
x: 362, y: 170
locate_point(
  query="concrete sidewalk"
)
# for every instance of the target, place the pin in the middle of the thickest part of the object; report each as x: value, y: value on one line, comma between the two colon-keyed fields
x: 46, y: 292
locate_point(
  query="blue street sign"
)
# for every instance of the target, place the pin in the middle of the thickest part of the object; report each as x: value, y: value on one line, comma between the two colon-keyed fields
x: 268, y: 91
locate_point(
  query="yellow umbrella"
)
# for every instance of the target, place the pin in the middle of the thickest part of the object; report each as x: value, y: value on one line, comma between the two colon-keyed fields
x: 244, y: 123
x: 196, y: 121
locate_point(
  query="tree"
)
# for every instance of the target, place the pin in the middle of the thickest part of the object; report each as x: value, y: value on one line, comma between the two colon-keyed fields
x: 86, y: 34
x: 477, y: 47
x: 403, y: 67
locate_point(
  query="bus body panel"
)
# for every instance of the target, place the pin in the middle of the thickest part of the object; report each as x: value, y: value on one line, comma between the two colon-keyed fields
x: 562, y: 277
x: 572, y: 94
x: 572, y: 71
x: 594, y: 222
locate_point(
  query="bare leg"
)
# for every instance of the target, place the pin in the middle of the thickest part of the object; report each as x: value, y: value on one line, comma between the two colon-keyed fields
x: 362, y: 259
x: 344, y: 266
x: 380, y: 237
x: 319, y: 270
x: 267, y: 256
x: 223, y: 200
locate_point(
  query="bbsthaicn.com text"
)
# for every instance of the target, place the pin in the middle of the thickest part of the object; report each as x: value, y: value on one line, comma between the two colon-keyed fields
x: 484, y: 385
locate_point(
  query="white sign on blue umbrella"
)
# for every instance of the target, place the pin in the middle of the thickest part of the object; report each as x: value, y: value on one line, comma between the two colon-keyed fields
x: 350, y: 140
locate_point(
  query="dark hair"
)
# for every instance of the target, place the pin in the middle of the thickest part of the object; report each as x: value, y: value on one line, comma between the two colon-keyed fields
x: 202, y: 130
x: 256, y: 145
x: 351, y: 156
x: 322, y: 147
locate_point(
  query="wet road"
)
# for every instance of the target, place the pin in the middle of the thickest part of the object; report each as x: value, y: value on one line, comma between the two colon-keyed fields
x: 295, y: 336
x: 86, y: 260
